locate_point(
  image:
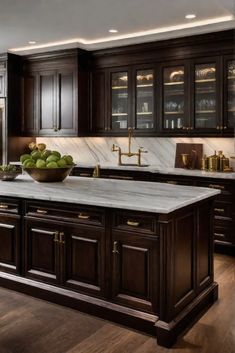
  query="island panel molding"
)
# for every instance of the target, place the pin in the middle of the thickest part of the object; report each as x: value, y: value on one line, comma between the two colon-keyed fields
x: 147, y: 266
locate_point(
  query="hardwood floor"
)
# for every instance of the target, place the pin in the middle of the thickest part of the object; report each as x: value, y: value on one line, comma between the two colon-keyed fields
x: 29, y: 325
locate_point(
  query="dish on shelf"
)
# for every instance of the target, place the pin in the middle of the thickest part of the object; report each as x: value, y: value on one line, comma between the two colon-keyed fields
x: 205, y: 73
x: 176, y: 76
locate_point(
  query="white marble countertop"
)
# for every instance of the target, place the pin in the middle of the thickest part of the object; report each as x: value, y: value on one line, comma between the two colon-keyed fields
x: 164, y: 170
x: 132, y: 195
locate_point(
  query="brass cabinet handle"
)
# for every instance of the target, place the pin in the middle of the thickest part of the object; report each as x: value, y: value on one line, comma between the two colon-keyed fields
x: 41, y: 211
x: 83, y: 215
x: 115, y: 248
x: 215, y: 186
x: 219, y: 235
x: 220, y: 210
x: 173, y: 182
x: 61, y: 238
x: 132, y: 223
x: 56, y: 237
x: 3, y: 206
x: 225, y: 127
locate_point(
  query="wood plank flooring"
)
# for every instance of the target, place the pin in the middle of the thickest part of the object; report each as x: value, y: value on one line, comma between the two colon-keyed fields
x: 29, y: 325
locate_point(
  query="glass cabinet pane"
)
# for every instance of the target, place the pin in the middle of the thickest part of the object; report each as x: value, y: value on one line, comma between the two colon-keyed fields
x: 119, y: 84
x: 144, y: 99
x: 205, y: 96
x: 173, y: 98
x: 231, y: 94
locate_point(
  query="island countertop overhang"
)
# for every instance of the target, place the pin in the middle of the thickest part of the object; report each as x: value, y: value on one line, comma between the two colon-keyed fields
x: 120, y: 194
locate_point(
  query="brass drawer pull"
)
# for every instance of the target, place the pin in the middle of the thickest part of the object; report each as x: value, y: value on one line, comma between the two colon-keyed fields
x: 220, y: 210
x: 56, y: 237
x: 3, y: 206
x: 132, y: 223
x: 215, y: 186
x: 83, y: 216
x: 41, y: 211
x: 115, y: 248
x: 85, y: 174
x: 221, y: 235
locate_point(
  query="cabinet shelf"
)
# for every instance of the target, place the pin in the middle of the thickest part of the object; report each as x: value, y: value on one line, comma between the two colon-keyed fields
x: 205, y: 111
x: 173, y: 113
x: 205, y: 80
x: 119, y: 114
x: 144, y: 113
x: 173, y: 83
x: 119, y: 87
x: 145, y: 85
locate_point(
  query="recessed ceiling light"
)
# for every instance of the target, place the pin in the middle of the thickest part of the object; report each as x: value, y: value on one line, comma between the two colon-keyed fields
x: 190, y: 16
x: 32, y: 42
x: 112, y: 30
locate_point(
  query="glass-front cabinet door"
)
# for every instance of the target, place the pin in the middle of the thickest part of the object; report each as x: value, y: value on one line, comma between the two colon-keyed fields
x: 119, y: 100
x: 173, y: 105
x: 144, y: 99
x: 206, y: 97
x: 229, y: 102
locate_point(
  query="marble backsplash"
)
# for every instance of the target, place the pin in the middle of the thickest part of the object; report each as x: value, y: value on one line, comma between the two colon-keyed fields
x: 161, y: 151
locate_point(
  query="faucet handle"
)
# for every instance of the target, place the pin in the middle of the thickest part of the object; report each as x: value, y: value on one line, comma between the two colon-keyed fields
x: 114, y: 148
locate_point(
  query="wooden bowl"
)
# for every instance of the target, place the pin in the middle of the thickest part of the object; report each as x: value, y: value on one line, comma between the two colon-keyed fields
x: 49, y: 175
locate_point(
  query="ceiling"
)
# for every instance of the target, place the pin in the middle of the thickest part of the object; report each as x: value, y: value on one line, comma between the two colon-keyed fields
x: 55, y: 24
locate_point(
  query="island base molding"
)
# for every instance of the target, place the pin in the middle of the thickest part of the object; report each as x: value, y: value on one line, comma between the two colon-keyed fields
x: 165, y: 332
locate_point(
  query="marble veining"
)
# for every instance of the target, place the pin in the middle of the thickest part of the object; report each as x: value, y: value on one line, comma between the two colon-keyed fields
x: 161, y: 151
x: 132, y: 195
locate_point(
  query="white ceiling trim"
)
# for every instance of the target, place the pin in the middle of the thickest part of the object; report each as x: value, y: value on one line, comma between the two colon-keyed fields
x: 203, y: 26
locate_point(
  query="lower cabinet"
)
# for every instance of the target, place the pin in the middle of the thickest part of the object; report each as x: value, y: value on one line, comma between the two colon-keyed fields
x: 10, y: 243
x: 135, y: 270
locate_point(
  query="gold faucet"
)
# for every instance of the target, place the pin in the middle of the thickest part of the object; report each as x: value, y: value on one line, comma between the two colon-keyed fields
x: 96, y: 171
x: 129, y: 153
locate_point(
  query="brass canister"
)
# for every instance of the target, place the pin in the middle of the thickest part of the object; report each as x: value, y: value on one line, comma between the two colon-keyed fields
x: 213, y: 165
x: 225, y: 163
x: 204, y: 163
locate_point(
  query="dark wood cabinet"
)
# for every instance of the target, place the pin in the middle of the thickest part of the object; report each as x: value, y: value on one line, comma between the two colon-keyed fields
x: 42, y: 250
x: 10, y: 236
x: 135, y: 270
x: 53, y: 103
x: 83, y: 259
x: 98, y: 101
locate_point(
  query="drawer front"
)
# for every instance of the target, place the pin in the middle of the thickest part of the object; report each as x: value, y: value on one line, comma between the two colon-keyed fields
x: 135, y: 221
x: 84, y: 215
x: 226, y: 189
x: 222, y: 209
x: 224, y: 232
x: 9, y: 206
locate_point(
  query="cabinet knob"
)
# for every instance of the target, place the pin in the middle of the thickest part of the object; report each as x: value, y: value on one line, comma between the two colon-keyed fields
x: 225, y: 127
x: 217, y: 127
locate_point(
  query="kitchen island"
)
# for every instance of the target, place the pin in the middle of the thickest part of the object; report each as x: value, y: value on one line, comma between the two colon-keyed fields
x: 138, y: 253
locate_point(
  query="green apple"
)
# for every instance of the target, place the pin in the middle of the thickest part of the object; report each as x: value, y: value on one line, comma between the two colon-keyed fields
x: 24, y: 157
x: 27, y: 160
x: 68, y: 159
x: 41, y: 163
x: 52, y: 158
x: 30, y: 164
x: 45, y: 154
x: 52, y: 165
x: 56, y: 153
x: 62, y: 163
x: 35, y: 155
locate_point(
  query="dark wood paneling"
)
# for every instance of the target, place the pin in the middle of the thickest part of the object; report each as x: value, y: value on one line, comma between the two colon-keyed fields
x: 2, y: 83
x: 98, y: 101
x: 47, y: 102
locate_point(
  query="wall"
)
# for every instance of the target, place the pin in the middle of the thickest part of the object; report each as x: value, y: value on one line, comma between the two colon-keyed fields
x: 161, y: 151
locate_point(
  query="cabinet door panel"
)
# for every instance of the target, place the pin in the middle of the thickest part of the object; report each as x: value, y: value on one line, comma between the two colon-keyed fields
x: 29, y: 104
x: 41, y: 249
x: 9, y: 244
x: 47, y: 100
x: 98, y: 101
x: 135, y: 271
x: 84, y: 254
x: 67, y: 96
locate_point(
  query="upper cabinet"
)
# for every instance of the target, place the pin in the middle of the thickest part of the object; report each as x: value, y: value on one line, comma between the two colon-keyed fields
x: 52, y: 102
x: 171, y: 88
